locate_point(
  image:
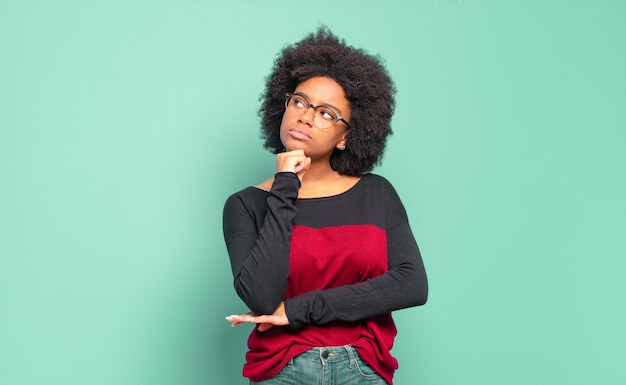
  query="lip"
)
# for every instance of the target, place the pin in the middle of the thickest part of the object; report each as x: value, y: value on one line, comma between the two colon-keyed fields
x: 299, y: 134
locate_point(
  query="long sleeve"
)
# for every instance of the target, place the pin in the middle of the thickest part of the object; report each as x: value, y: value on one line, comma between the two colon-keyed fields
x: 258, y: 242
x: 403, y: 285
x: 340, y: 263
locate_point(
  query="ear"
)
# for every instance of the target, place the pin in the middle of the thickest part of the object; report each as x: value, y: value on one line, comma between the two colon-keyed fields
x: 341, y: 145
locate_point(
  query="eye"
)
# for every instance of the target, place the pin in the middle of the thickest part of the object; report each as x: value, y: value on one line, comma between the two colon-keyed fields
x: 327, y: 114
x: 298, y: 102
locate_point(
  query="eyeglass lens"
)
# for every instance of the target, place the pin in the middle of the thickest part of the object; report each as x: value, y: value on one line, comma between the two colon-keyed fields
x: 323, y: 117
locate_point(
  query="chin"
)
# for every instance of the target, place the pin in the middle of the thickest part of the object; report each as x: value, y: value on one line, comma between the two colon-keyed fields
x: 293, y: 145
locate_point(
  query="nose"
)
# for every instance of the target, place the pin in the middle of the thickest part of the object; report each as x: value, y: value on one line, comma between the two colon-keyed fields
x: 308, y: 116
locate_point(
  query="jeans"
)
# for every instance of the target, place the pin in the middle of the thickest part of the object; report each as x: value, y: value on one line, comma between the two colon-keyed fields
x: 326, y: 366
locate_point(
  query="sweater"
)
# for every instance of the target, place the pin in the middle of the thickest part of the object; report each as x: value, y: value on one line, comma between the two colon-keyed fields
x: 341, y: 264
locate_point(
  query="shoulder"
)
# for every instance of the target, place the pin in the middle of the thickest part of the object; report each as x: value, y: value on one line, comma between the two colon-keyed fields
x: 249, y: 197
x: 370, y: 180
x: 377, y: 189
x: 388, y: 195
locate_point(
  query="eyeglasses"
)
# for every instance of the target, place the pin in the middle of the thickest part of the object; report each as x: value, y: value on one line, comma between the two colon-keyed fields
x: 324, y: 117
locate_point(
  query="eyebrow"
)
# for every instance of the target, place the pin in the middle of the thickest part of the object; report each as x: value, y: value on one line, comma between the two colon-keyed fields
x: 321, y: 105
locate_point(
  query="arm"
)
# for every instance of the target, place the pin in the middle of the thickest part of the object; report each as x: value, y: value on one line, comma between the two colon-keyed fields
x: 260, y: 256
x: 403, y: 285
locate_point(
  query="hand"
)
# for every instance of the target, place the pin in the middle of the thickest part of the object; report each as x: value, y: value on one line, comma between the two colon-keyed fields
x: 293, y: 161
x: 266, y: 322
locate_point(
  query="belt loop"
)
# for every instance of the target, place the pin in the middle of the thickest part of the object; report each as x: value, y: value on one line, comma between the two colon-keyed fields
x: 351, y: 355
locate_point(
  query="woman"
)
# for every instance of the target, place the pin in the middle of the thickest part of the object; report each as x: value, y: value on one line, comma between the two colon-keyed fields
x: 322, y: 252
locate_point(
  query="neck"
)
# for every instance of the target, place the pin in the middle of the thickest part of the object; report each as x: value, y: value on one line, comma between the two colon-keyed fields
x: 321, y: 180
x: 319, y: 172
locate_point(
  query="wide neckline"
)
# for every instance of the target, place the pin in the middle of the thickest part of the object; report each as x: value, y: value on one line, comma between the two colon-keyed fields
x: 335, y: 196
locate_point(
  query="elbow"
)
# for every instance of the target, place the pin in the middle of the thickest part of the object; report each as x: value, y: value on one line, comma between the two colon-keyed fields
x: 416, y: 296
x: 420, y: 289
x: 256, y: 305
x: 414, y: 284
x: 259, y: 300
x: 410, y: 294
x: 421, y: 295
x: 417, y: 291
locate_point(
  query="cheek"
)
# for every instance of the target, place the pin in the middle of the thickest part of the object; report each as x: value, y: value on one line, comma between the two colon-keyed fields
x: 284, y: 121
x: 283, y: 128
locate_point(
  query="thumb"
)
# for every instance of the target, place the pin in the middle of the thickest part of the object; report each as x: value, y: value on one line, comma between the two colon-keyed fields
x: 264, y: 327
x: 304, y: 166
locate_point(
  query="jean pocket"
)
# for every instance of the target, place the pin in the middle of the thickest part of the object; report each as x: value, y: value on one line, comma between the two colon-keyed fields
x: 365, y: 371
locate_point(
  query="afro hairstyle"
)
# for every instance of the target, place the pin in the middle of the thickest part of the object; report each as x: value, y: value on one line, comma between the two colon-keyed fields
x: 366, y: 84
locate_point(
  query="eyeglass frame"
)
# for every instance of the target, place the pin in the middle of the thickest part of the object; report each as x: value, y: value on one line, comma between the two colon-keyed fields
x: 311, y: 105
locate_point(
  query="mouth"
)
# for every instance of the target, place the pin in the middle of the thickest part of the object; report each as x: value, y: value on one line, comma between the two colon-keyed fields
x: 299, y: 134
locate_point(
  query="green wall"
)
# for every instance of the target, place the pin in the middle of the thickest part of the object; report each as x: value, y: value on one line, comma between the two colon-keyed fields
x: 124, y: 125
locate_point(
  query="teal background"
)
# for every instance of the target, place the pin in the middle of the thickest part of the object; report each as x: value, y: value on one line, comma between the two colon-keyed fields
x: 124, y: 125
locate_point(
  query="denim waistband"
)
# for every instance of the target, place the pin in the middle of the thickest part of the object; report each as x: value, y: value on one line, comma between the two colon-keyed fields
x: 329, y: 354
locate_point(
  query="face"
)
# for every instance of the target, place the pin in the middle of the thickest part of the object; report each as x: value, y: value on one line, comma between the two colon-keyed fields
x: 299, y: 132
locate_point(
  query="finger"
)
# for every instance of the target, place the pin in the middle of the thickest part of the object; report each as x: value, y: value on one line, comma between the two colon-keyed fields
x: 234, y: 318
x: 290, y: 161
x: 240, y: 318
x: 237, y: 320
x: 307, y: 163
x: 303, y: 168
x: 264, y: 327
x: 258, y: 319
x: 299, y: 168
x: 295, y: 154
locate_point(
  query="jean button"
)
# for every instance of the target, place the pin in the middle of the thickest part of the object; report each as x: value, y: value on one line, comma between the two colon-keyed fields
x: 325, y: 354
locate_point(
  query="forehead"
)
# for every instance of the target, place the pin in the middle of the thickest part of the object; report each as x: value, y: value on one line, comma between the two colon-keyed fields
x: 322, y: 90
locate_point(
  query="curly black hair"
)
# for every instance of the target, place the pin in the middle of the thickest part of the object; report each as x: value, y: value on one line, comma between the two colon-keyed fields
x: 367, y: 86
